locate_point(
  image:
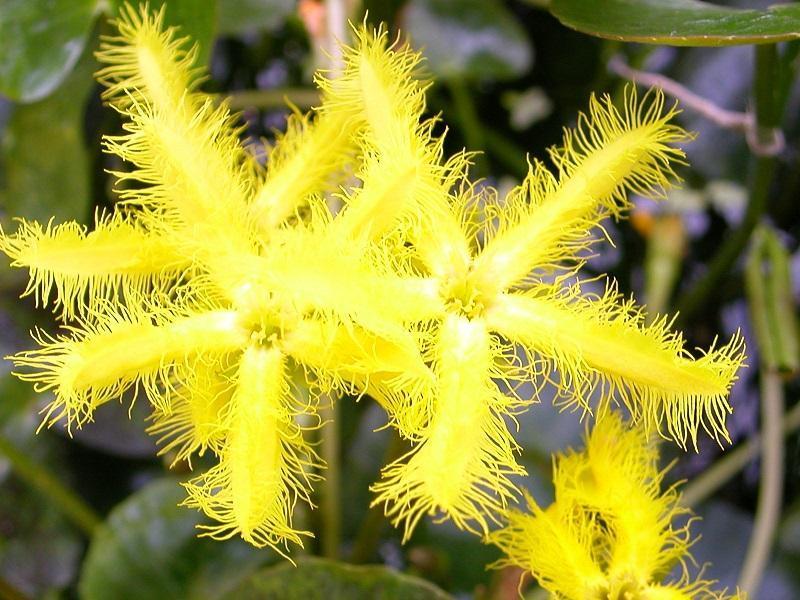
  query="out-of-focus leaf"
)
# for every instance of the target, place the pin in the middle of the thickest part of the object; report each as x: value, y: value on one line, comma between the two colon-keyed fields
x: 148, y: 548
x: 14, y: 396
x: 679, y: 22
x: 238, y: 16
x: 119, y: 428
x: 39, y: 550
x: 319, y: 579
x: 469, y: 38
x: 43, y: 155
x: 40, y: 43
x: 196, y: 19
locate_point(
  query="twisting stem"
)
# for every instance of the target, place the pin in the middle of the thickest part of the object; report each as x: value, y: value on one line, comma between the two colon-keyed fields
x: 73, y: 507
x: 770, y: 491
x: 468, y: 119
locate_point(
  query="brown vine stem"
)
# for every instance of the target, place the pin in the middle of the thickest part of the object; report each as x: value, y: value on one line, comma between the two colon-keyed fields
x: 762, y: 143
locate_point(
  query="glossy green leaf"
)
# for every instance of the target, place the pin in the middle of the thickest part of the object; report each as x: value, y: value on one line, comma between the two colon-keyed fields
x: 469, y: 38
x: 40, y: 43
x: 680, y: 22
x: 196, y: 19
x: 43, y: 155
x: 148, y: 548
x: 319, y: 579
x: 238, y: 16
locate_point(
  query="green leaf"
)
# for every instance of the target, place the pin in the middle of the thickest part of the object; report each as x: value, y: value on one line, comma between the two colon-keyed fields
x: 44, y: 160
x: 148, y: 548
x: 319, y: 579
x: 40, y: 43
x: 239, y: 16
x: 469, y: 38
x: 680, y: 22
x: 195, y: 18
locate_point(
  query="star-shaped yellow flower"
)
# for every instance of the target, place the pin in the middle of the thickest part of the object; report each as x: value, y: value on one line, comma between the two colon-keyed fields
x: 215, y: 283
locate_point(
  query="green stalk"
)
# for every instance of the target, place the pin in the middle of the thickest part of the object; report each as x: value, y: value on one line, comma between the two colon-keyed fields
x: 369, y: 533
x: 330, y: 490
x: 704, y: 485
x: 39, y: 478
x: 767, y: 114
x: 770, y: 492
x: 276, y: 98
x: 467, y: 116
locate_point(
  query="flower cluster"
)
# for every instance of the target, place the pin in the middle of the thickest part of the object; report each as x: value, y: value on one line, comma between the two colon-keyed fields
x: 610, y: 533
x: 359, y: 260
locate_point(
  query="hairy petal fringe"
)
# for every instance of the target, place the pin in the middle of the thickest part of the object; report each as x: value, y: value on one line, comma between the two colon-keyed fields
x: 117, y: 259
x: 461, y: 467
x: 609, y: 154
x: 605, y: 345
x: 265, y: 465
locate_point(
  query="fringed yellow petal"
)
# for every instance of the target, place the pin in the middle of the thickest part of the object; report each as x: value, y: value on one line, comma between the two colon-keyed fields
x: 461, y: 468
x: 557, y: 546
x: 197, y: 417
x: 117, y: 258
x: 605, y: 345
x: 377, y: 87
x: 195, y: 185
x: 309, y: 158
x: 608, y: 154
x: 105, y: 357
x: 186, y: 148
x: 403, y: 176
x: 146, y: 63
x: 617, y: 477
x: 313, y: 270
x: 263, y: 468
x: 610, y: 532
x: 353, y: 360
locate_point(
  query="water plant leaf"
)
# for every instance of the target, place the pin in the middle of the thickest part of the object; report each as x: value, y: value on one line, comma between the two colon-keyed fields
x: 40, y: 42
x: 320, y: 579
x: 680, y: 22
x: 239, y: 16
x: 44, y: 160
x: 196, y: 19
x: 469, y: 38
x: 148, y: 548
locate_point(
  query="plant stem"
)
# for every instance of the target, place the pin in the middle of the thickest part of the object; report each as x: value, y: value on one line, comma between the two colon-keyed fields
x: 369, y: 533
x: 330, y: 501
x: 38, y: 477
x: 713, y: 478
x: 467, y: 116
x: 767, y: 118
x: 274, y: 98
x: 770, y: 492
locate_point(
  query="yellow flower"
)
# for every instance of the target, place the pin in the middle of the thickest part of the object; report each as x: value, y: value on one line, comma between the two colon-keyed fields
x: 215, y: 282
x: 611, y: 531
